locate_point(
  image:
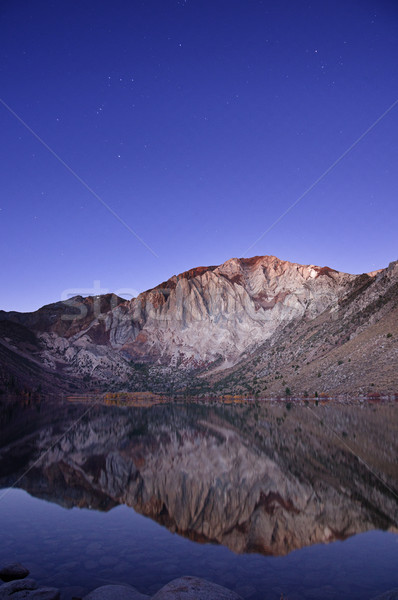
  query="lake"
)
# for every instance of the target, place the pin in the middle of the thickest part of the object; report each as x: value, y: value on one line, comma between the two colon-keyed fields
x: 265, y: 499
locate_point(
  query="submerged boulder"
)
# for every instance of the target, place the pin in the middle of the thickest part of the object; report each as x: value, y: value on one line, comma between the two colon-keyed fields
x: 194, y: 588
x: 11, y: 571
x: 12, y: 588
x: 116, y: 592
x: 26, y: 589
x: 390, y: 595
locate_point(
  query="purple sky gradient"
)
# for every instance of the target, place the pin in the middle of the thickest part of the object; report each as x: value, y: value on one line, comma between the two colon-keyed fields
x: 198, y: 123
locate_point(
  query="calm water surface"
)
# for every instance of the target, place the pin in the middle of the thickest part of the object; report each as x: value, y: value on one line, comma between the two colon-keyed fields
x: 264, y: 500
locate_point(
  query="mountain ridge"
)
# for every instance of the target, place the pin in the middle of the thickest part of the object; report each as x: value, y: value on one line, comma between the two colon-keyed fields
x: 195, y: 329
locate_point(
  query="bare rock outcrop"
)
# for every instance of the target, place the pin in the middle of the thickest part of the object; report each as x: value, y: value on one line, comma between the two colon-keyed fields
x: 239, y: 327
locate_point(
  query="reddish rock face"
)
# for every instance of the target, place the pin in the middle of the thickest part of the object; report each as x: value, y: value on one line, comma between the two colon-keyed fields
x: 171, y: 283
x: 325, y: 271
x: 253, y: 261
x: 195, y: 272
x: 208, y: 311
x: 215, y: 314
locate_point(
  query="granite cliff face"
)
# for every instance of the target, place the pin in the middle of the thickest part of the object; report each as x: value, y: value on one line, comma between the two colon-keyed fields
x: 265, y: 480
x: 192, y: 331
x: 223, y: 310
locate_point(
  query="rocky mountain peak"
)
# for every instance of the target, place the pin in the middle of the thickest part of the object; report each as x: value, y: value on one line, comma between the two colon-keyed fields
x: 206, y: 318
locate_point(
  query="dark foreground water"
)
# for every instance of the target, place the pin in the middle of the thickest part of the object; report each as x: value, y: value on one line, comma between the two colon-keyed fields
x: 264, y: 500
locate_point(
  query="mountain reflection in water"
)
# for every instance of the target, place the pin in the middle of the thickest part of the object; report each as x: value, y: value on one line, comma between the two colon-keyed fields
x: 265, y: 479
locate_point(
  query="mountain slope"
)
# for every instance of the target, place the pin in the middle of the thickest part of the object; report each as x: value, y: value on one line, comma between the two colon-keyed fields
x: 251, y: 326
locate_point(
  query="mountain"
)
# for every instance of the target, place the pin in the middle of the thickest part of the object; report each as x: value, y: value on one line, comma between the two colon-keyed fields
x: 253, y: 326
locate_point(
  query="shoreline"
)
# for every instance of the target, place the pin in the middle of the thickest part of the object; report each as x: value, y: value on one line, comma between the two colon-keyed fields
x: 147, y: 399
x: 134, y: 399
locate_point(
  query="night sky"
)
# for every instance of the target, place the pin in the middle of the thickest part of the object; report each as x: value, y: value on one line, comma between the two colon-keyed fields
x: 191, y: 127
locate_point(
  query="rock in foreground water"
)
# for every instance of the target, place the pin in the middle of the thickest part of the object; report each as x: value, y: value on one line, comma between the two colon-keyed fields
x: 390, y: 595
x: 14, y: 587
x: 11, y: 571
x: 116, y: 592
x: 26, y: 589
x: 194, y: 588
